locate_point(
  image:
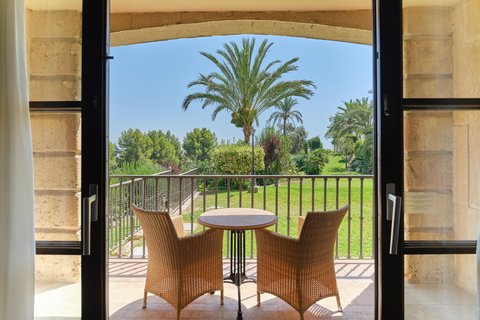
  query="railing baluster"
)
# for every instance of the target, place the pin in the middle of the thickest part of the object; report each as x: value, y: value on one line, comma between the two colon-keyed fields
x: 156, y: 194
x: 361, y: 218
x: 324, y: 194
x: 109, y: 214
x: 191, y: 205
x: 349, y: 255
x: 252, y: 197
x: 144, y: 204
x: 120, y: 214
x: 240, y: 187
x: 288, y: 206
x: 228, y: 192
x: 276, y: 203
x: 216, y: 193
x: 264, y: 194
x: 336, y: 207
x: 167, y: 205
x: 132, y: 195
x: 228, y: 206
x: 313, y: 194
x: 301, y: 197
x: 180, y: 196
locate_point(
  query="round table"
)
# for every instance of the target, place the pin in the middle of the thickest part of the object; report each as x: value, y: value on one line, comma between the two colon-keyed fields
x: 237, y: 221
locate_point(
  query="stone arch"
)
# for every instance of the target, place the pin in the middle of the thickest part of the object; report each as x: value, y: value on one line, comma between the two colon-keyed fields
x: 149, y: 27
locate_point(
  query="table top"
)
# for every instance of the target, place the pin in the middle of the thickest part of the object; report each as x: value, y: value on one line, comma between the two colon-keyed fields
x: 237, y: 219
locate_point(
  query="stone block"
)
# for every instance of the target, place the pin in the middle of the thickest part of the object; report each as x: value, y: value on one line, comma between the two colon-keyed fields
x: 56, y: 132
x: 431, y: 20
x: 432, y: 131
x: 55, y: 88
x: 466, y: 272
x: 58, y: 234
x: 428, y: 171
x: 55, y: 56
x: 57, y: 209
x: 428, y: 86
x: 59, y: 23
x: 57, y: 171
x: 428, y: 56
x: 57, y: 268
x: 429, y: 269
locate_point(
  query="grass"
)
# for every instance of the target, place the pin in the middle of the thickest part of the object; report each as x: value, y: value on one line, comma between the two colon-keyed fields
x: 336, y: 165
x: 289, y: 209
x: 359, y: 221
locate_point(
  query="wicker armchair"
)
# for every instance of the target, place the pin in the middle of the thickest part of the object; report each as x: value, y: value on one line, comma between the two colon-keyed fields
x: 180, y: 269
x: 300, y: 271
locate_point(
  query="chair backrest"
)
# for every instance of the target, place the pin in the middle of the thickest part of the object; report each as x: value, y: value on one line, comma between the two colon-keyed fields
x: 319, y: 233
x: 160, y: 235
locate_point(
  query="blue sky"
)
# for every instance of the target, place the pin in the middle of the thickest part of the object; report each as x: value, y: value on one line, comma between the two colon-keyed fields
x: 148, y: 83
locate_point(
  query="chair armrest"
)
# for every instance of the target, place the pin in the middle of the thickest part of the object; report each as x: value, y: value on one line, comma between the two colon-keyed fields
x: 272, y: 245
x: 203, y: 245
x: 301, y: 221
x: 178, y: 224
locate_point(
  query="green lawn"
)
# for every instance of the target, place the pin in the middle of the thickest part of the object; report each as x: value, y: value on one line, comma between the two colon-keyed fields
x: 336, y: 165
x: 289, y: 209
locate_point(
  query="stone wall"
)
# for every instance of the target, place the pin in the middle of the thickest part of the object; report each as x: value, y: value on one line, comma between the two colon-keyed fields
x: 441, y: 56
x: 54, y: 65
x: 466, y: 84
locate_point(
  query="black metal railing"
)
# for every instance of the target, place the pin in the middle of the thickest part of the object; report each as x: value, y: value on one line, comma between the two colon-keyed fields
x: 288, y: 196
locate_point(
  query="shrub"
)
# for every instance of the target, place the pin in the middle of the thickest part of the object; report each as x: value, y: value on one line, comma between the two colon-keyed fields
x: 315, y: 161
x: 237, y: 159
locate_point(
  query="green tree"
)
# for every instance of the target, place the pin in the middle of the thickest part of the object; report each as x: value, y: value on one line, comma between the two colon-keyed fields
x: 315, y: 161
x: 133, y: 147
x: 112, y: 156
x: 298, y: 139
x: 345, y: 147
x: 314, y: 143
x: 353, y: 122
x: 199, y: 143
x: 277, y: 158
x: 244, y: 86
x: 162, y: 150
x: 176, y: 144
x: 285, y: 114
x: 363, y: 162
x: 354, y: 118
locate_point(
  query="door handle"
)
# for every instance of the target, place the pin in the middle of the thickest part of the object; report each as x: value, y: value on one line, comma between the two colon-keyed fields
x: 396, y: 212
x: 89, y: 214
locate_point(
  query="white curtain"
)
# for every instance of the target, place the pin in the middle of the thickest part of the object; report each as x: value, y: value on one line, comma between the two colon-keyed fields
x: 17, y: 245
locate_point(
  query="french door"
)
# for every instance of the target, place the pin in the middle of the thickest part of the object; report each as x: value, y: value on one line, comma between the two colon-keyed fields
x: 68, y: 58
x: 428, y: 138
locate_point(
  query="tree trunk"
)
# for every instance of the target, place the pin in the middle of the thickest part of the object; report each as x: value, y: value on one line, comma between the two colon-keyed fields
x: 284, y: 127
x: 346, y: 163
x: 246, y: 134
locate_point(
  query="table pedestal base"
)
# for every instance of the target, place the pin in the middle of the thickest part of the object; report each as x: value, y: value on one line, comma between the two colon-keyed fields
x: 237, y: 264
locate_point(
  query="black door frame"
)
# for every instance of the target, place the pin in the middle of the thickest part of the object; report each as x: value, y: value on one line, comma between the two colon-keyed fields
x: 95, y: 34
x: 390, y: 106
x: 389, y: 300
x: 388, y: 113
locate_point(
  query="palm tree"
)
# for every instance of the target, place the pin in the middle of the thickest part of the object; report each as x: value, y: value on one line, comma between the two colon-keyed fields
x: 245, y: 87
x: 285, y: 113
x: 354, y: 118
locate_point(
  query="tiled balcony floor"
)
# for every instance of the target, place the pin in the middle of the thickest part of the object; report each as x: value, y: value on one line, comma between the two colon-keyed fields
x: 355, y: 281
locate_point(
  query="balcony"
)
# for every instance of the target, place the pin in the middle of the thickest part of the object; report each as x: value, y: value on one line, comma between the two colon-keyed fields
x: 288, y: 196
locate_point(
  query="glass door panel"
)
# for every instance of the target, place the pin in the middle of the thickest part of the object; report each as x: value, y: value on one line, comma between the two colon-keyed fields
x: 440, y: 287
x: 441, y: 174
x: 441, y: 49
